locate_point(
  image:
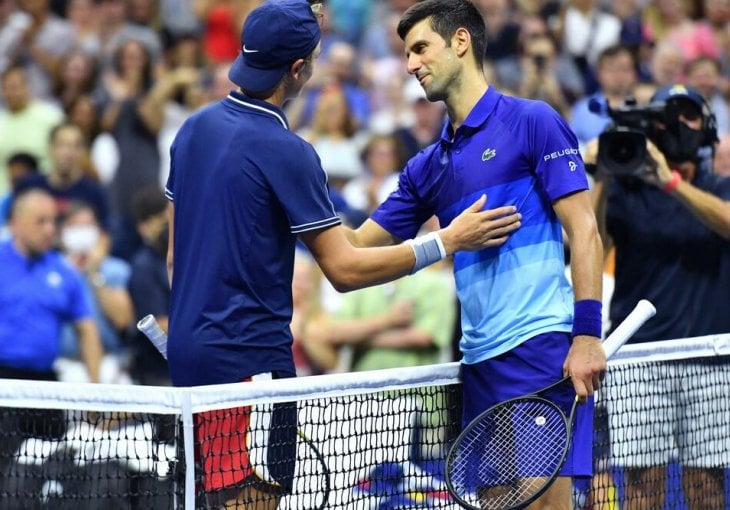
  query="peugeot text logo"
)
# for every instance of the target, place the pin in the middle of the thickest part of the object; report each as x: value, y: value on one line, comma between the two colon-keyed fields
x: 560, y: 154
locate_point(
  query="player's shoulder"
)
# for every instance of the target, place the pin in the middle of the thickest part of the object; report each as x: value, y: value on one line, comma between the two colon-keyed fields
x: 530, y: 109
x: 204, y: 114
x: 424, y: 156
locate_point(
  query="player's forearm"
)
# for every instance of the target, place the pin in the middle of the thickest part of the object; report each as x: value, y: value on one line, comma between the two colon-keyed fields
x: 364, y: 267
x: 586, y: 249
x: 586, y: 265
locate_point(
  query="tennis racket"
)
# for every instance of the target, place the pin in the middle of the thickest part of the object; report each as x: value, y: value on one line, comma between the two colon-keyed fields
x: 510, y: 454
x: 311, y: 488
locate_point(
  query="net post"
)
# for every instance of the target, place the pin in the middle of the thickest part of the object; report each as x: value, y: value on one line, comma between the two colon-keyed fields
x: 189, y: 444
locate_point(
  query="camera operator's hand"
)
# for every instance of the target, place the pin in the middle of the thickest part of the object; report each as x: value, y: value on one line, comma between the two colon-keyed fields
x: 590, y: 153
x: 657, y: 171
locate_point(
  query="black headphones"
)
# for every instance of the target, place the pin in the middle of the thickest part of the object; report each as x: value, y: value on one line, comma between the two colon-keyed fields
x: 709, y: 121
x: 709, y: 126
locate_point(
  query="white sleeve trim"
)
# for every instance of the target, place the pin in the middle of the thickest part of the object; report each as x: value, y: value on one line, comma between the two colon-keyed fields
x: 298, y: 229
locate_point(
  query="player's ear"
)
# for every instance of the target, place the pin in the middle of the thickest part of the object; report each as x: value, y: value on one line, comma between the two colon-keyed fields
x: 461, y: 41
x: 297, y: 67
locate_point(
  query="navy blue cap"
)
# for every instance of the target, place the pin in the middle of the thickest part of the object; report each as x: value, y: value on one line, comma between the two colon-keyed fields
x: 274, y: 35
x: 669, y: 92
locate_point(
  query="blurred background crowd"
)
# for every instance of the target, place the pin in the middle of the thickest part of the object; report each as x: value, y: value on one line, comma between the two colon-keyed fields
x: 94, y: 91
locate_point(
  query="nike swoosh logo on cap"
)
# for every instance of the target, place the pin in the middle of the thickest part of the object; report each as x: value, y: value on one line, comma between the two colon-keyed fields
x: 246, y: 50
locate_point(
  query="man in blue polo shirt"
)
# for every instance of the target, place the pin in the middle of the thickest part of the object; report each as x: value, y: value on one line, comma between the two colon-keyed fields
x: 522, y: 329
x: 39, y: 292
x: 243, y: 187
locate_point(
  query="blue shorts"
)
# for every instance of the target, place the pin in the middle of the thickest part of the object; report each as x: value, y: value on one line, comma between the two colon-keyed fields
x: 527, y: 368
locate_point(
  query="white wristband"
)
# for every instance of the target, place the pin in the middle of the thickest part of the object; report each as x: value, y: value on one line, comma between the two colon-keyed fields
x: 427, y: 249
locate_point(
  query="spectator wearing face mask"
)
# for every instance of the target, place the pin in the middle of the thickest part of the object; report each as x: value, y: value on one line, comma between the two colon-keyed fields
x: 86, y: 245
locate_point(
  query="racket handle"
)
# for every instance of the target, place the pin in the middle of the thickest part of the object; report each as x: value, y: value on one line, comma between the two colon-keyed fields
x: 148, y: 325
x: 643, y: 311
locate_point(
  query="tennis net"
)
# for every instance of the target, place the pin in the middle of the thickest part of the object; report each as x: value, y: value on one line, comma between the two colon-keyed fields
x: 361, y: 441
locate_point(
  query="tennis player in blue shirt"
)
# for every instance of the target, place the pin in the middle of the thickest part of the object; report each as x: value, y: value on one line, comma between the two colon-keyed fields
x: 243, y: 187
x: 523, y: 325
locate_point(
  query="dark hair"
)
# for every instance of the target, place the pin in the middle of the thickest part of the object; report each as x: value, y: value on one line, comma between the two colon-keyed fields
x: 147, y: 77
x: 446, y: 16
x: 147, y: 202
x: 613, y: 51
x: 74, y: 207
x: 88, y: 85
x: 95, y: 128
x: 23, y: 158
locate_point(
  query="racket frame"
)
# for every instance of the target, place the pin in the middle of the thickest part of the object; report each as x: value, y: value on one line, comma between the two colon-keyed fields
x: 643, y: 311
x: 568, y: 421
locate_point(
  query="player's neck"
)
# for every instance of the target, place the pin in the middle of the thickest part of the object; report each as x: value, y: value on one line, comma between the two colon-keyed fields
x: 466, y: 94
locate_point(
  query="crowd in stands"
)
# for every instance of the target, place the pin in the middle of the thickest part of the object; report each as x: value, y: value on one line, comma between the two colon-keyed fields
x: 94, y: 91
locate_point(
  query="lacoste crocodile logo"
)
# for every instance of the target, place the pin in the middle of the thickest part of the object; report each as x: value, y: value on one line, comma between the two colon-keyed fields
x: 488, y: 154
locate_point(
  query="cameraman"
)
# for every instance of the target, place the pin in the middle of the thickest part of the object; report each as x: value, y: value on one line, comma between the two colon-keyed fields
x: 670, y: 224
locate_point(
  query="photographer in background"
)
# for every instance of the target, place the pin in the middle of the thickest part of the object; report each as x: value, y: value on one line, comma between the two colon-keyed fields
x: 616, y: 75
x: 545, y: 75
x: 668, y: 217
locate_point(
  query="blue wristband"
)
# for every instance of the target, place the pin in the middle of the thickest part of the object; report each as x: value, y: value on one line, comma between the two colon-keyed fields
x: 587, y: 318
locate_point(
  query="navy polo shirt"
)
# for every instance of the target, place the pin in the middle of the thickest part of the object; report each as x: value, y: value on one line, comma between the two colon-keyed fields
x: 37, y: 296
x: 243, y: 187
x: 519, y: 152
x: 665, y: 254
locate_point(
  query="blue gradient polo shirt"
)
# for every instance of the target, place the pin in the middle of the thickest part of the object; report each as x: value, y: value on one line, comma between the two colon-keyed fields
x: 37, y: 296
x: 519, y: 152
x: 243, y: 187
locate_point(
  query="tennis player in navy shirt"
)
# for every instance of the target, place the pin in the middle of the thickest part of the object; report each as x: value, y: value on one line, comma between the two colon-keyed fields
x: 524, y: 326
x: 242, y: 188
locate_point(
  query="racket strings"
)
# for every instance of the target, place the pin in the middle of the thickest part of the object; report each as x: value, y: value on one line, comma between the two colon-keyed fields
x: 510, y: 455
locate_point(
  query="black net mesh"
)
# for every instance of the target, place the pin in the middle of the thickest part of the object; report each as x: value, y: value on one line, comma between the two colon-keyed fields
x: 662, y: 440
x: 77, y: 460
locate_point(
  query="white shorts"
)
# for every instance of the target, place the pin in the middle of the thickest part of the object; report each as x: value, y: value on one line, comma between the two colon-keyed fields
x: 669, y: 410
